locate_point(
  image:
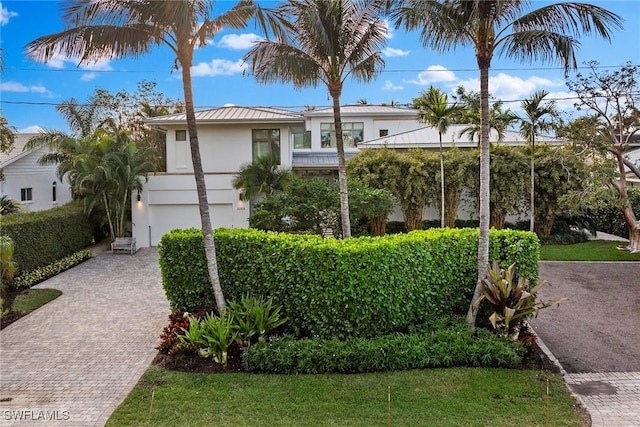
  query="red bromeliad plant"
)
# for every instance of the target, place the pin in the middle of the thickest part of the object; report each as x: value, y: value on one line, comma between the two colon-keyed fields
x: 515, y: 302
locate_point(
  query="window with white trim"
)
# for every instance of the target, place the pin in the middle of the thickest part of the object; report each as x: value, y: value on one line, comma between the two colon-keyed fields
x: 26, y: 195
x: 265, y: 142
x: 352, y: 134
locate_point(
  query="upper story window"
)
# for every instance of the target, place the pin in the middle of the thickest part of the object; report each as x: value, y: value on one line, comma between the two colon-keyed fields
x: 383, y: 132
x: 181, y: 135
x: 26, y: 195
x: 352, y: 134
x: 302, y: 139
x: 265, y: 142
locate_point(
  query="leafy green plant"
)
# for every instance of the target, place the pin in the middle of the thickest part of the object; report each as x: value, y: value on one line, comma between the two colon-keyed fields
x: 515, y: 301
x: 255, y: 316
x: 8, y: 266
x: 31, y: 278
x: 218, y: 334
x: 9, y: 206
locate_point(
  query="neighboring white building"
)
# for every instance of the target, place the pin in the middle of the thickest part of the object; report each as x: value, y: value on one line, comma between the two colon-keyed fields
x: 34, y: 186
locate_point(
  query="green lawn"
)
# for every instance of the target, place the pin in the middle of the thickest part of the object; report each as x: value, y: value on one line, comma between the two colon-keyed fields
x: 32, y: 299
x: 435, y: 397
x: 595, y: 250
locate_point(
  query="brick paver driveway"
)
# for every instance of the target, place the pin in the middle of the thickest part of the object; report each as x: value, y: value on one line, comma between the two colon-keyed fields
x: 74, y: 360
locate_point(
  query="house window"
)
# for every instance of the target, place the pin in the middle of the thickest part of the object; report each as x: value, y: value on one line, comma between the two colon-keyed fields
x: 265, y: 142
x: 181, y: 135
x: 26, y: 195
x: 53, y: 191
x: 352, y: 134
x: 384, y: 132
x: 302, y: 140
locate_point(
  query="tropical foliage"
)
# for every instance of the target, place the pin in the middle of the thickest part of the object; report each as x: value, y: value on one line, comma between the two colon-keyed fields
x: 498, y: 27
x: 324, y: 42
x: 613, y: 101
x: 264, y: 176
x: 108, y: 29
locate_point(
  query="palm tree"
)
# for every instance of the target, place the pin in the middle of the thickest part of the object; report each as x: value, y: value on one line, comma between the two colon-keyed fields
x: 435, y: 110
x: 263, y: 176
x: 324, y: 41
x: 535, y: 109
x: 119, y: 28
x: 502, y: 27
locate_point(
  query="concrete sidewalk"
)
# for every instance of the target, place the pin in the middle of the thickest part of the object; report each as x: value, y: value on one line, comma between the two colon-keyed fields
x: 73, y: 361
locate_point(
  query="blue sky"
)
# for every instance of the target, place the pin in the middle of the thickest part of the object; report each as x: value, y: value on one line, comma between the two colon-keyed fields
x: 30, y: 90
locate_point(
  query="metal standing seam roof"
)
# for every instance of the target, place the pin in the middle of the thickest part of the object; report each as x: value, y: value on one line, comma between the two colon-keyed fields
x: 427, y: 136
x: 232, y: 114
x: 364, y: 110
x: 18, y: 149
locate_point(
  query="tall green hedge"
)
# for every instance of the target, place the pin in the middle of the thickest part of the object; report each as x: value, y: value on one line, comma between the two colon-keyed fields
x: 339, y: 288
x: 44, y: 237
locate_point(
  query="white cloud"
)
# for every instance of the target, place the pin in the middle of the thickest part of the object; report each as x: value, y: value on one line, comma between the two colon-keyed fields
x: 507, y: 87
x: 58, y: 61
x: 239, y: 41
x: 433, y: 74
x: 5, y: 15
x: 87, y: 77
x: 31, y: 129
x: 391, y: 52
x: 19, y: 87
x: 388, y: 85
x: 388, y: 29
x: 218, y: 67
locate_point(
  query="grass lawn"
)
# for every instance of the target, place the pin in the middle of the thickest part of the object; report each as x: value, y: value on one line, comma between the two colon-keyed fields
x: 32, y: 299
x: 595, y: 250
x: 433, y: 397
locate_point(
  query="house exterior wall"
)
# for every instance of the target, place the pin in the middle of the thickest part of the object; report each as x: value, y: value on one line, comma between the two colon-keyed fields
x: 25, y: 172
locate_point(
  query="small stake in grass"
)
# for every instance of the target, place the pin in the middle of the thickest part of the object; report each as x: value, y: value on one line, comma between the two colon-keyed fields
x: 389, y: 406
x: 548, y: 421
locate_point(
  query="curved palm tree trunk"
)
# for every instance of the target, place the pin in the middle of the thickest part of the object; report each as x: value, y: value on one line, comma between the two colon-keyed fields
x: 627, y: 212
x: 533, y: 169
x: 442, y: 223
x: 342, y: 169
x: 483, y: 241
x: 105, y: 200
x: 203, y: 202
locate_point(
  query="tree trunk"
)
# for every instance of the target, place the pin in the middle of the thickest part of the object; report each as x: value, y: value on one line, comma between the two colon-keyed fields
x: 335, y: 91
x: 497, y: 219
x: 442, y: 210
x: 544, y: 225
x: 452, y: 200
x: 378, y: 226
x: 627, y: 212
x: 198, y: 173
x: 634, y: 239
x: 533, y: 169
x: 483, y: 238
x: 413, y: 218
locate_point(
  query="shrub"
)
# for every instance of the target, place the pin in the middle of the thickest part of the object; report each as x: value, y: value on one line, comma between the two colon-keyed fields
x: 610, y: 219
x: 362, y: 287
x: 33, y: 277
x: 46, y: 236
x: 443, y: 346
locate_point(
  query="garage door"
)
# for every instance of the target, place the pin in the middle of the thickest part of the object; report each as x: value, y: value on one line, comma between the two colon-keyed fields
x: 164, y: 218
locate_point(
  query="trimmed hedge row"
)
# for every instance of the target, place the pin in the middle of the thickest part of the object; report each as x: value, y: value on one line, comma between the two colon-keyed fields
x: 47, y: 236
x: 31, y: 278
x: 451, y: 346
x: 358, y: 287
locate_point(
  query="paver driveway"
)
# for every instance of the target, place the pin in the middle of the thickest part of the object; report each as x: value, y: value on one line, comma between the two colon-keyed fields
x: 596, y: 335
x: 74, y: 360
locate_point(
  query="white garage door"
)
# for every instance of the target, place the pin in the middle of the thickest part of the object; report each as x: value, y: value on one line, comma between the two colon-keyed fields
x: 164, y: 218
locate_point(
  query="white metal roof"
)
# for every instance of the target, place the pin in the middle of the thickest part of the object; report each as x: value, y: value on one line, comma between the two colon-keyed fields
x: 427, y: 137
x: 364, y: 110
x: 232, y: 114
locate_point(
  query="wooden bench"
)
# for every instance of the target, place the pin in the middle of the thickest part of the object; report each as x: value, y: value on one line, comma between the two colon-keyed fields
x: 124, y: 244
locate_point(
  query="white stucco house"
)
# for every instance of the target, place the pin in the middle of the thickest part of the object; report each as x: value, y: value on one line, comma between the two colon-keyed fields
x: 34, y: 186
x: 231, y: 137
x: 305, y: 141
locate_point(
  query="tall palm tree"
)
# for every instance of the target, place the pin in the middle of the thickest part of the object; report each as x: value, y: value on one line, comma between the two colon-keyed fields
x: 111, y: 29
x: 535, y: 108
x: 324, y: 41
x: 263, y: 176
x: 502, y: 27
x: 435, y: 110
